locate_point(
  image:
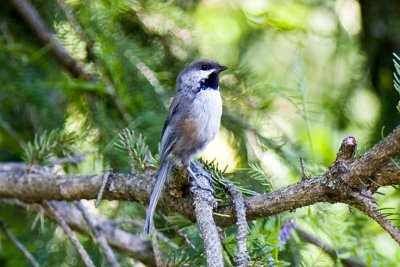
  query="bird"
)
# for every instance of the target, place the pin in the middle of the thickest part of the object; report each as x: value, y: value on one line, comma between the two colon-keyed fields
x: 193, y: 120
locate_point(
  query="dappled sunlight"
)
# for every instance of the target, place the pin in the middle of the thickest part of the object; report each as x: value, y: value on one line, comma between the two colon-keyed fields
x: 221, y: 150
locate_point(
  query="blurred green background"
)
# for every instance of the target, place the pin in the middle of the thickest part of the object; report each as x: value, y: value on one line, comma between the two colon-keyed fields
x: 302, y: 76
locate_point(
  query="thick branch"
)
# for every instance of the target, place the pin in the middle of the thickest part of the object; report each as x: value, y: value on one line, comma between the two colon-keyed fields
x: 373, y: 160
x: 388, y: 175
x: 16, y: 182
x: 337, y: 184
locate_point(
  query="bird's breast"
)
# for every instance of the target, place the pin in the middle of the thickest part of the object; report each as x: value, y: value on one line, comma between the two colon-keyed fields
x: 207, y: 108
x: 202, y: 121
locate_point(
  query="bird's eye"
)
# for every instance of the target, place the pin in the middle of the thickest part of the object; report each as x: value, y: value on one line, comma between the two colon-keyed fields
x: 204, y: 67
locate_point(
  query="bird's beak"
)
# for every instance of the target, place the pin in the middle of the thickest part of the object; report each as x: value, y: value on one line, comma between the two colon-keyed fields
x: 221, y: 69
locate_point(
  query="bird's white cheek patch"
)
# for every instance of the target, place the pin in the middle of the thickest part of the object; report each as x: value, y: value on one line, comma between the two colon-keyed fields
x: 205, y: 73
x: 195, y: 77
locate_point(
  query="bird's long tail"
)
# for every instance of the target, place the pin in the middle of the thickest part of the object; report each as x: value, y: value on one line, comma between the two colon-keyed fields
x: 163, y: 172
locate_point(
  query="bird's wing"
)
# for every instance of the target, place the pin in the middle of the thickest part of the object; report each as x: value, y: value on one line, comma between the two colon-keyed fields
x: 173, y: 109
x: 169, y: 136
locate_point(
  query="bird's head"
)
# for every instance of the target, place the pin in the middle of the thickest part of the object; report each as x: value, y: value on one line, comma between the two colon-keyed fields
x: 200, y: 75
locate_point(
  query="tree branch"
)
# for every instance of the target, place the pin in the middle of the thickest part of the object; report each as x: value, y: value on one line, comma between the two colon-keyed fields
x: 337, y: 184
x: 242, y: 258
x: 17, y: 182
x: 374, y: 159
x: 364, y: 204
x: 204, y: 203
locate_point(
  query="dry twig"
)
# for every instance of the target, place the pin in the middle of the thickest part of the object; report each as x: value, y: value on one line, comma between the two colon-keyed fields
x: 304, y: 174
x: 104, y: 182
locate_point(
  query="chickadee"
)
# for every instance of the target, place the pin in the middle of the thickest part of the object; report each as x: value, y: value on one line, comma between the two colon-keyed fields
x: 193, y: 120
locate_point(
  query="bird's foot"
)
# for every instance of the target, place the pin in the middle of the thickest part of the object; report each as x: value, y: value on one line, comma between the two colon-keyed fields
x: 200, y: 183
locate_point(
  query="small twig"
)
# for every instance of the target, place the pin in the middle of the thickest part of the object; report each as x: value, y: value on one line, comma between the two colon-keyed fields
x: 156, y: 248
x: 242, y: 258
x: 18, y: 244
x: 104, y: 182
x: 67, y: 230
x: 98, y: 235
x: 185, y: 238
x: 203, y: 205
x: 348, y: 262
x: 129, y: 149
x: 74, y: 159
x: 304, y: 174
x: 368, y: 206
